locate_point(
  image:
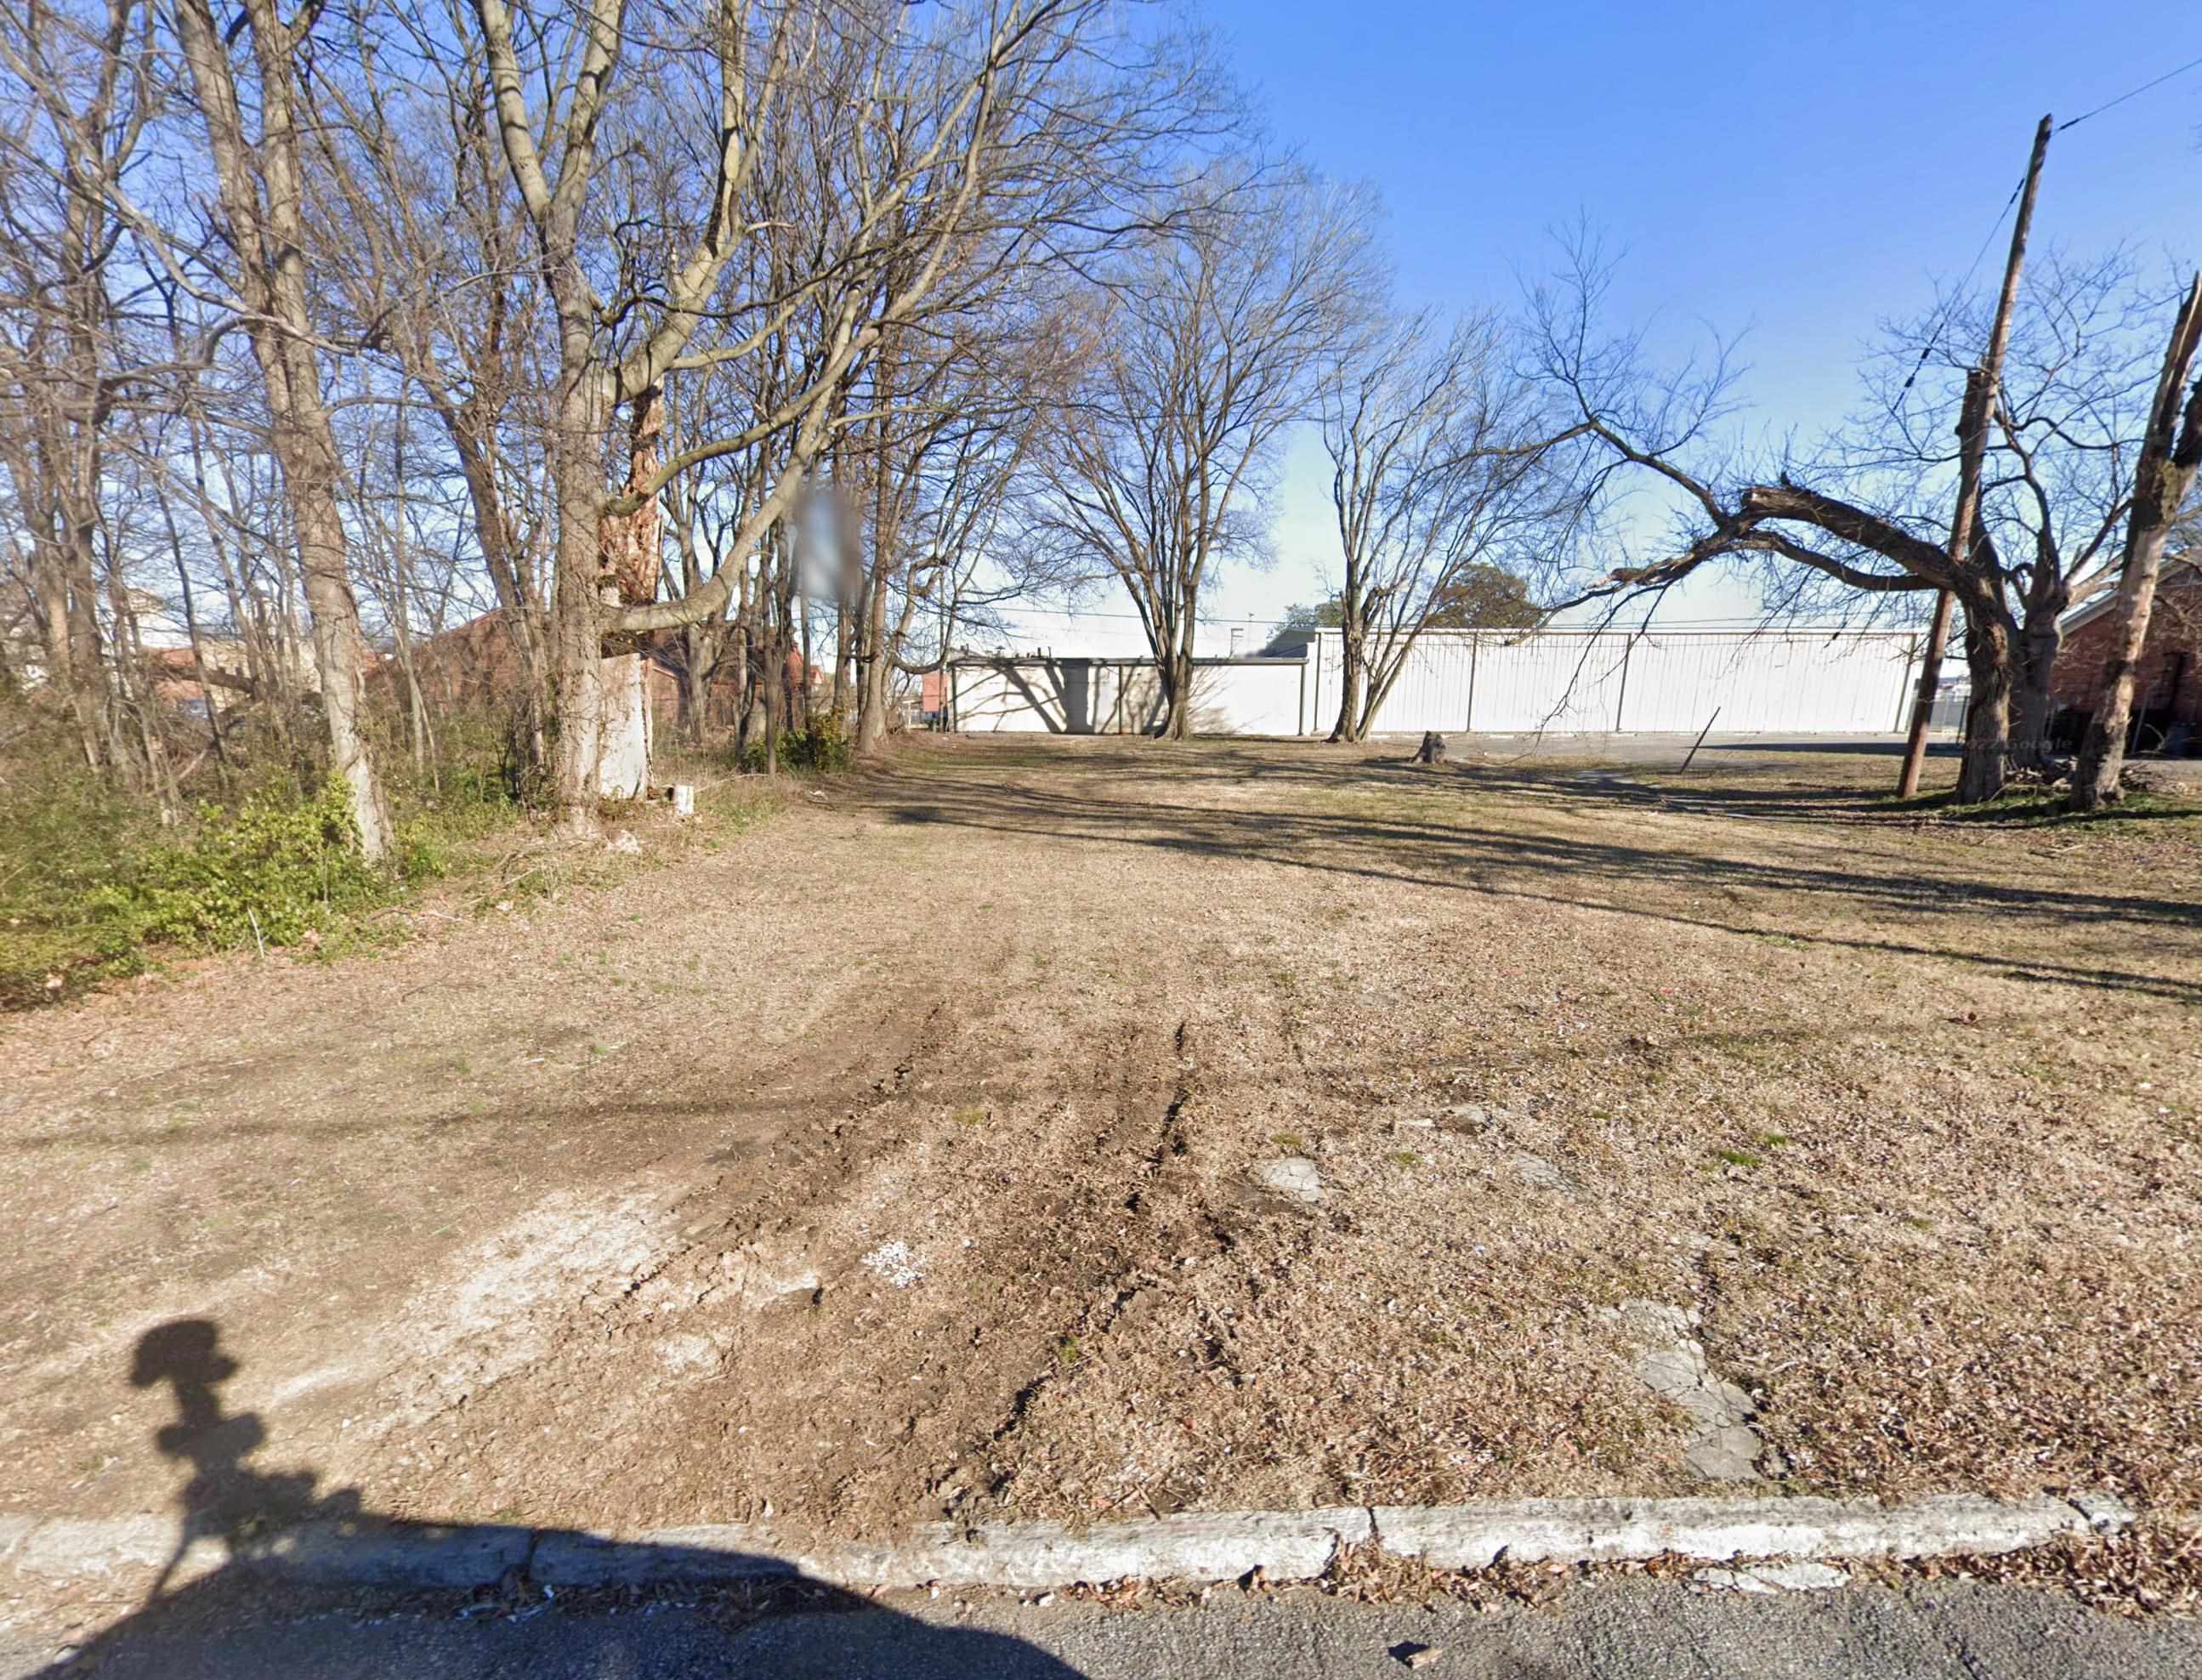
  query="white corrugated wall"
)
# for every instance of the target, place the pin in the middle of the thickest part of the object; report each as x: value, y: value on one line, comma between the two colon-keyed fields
x: 1838, y: 682
x: 1566, y: 683
x: 1080, y: 697
x: 1788, y: 683
x: 1495, y: 681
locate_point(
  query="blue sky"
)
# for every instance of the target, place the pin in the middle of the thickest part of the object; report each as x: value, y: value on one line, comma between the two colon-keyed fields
x: 1796, y: 174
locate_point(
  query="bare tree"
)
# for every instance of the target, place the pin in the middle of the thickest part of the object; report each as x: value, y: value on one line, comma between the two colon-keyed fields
x: 412, y: 184
x: 920, y: 134
x: 1202, y: 355
x: 78, y: 107
x: 260, y: 184
x: 643, y: 267
x: 2171, y: 459
x: 955, y: 406
x: 2063, y: 438
x: 1862, y: 517
x: 1445, y: 466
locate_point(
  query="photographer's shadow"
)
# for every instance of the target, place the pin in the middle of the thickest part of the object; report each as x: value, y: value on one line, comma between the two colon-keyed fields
x: 247, y: 1589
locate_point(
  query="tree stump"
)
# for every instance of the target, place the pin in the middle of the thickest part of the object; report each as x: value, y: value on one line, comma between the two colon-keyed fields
x: 1433, y: 749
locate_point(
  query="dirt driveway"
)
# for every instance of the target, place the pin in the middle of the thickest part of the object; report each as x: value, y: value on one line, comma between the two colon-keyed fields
x: 1072, y: 1127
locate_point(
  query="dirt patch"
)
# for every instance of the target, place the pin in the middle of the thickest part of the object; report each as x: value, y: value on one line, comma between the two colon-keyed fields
x: 904, y: 1157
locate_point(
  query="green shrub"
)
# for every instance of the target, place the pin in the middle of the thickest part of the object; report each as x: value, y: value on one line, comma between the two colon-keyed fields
x: 270, y: 871
x: 62, y: 834
x: 468, y: 802
x: 93, y: 876
x: 46, y: 965
x: 821, y: 746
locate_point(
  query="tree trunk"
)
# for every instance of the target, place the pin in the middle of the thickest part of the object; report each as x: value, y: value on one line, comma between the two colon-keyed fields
x: 2170, y: 457
x: 776, y: 697
x: 695, y: 657
x: 416, y: 704
x: 578, y: 609
x: 401, y: 626
x: 270, y: 235
x: 250, y: 626
x: 307, y: 454
x: 494, y: 535
x: 2039, y: 640
x: 1990, y: 657
x: 744, y: 663
x: 132, y: 695
x: 848, y: 576
x: 2103, y: 749
x: 576, y: 633
x: 841, y: 651
x: 1178, y: 691
x: 887, y: 498
x: 802, y: 674
x: 69, y: 645
x: 192, y: 632
x: 88, y: 673
x: 876, y: 669
x: 1352, y: 676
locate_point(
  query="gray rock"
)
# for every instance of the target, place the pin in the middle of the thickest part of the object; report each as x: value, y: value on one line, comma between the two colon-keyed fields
x: 1536, y: 1172
x: 1801, y: 1578
x: 1796, y: 1577
x: 2106, y: 1513
x: 1673, y: 1372
x: 1294, y: 1176
x: 1731, y: 1580
x: 1672, y: 1364
x: 1729, y: 1453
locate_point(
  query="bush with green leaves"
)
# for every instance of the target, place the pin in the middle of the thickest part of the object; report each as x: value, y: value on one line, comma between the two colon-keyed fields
x: 822, y: 745
x: 63, y: 834
x: 268, y: 872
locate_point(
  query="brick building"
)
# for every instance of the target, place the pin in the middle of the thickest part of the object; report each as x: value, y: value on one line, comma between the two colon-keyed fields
x: 2168, y: 695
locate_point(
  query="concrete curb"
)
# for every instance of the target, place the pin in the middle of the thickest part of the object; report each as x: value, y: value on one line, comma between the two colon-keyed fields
x: 1218, y: 1546
x: 1717, y: 1529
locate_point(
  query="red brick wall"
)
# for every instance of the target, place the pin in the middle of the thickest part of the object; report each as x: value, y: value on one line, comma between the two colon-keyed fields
x: 476, y: 664
x: 2172, y: 655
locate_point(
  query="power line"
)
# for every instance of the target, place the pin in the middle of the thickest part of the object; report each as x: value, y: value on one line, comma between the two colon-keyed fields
x: 1972, y: 268
x: 1935, y: 335
x: 2130, y: 93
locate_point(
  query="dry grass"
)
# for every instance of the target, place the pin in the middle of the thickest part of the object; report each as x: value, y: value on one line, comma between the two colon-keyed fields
x: 1903, y: 1106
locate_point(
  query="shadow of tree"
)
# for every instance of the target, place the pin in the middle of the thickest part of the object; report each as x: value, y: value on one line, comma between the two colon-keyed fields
x: 1685, y: 885
x: 250, y: 1539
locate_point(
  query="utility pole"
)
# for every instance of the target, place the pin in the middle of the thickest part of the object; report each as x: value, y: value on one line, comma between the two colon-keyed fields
x: 1983, y: 389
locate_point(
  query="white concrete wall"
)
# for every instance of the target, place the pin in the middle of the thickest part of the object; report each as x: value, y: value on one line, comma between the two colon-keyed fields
x: 1030, y: 697
x: 1249, y: 698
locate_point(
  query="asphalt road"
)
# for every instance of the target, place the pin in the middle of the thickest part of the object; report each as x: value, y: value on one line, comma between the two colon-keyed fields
x: 1641, y: 1629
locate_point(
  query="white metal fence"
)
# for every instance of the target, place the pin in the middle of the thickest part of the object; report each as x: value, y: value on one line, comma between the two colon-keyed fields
x: 1796, y: 682
x: 1497, y: 681
x: 1118, y: 696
